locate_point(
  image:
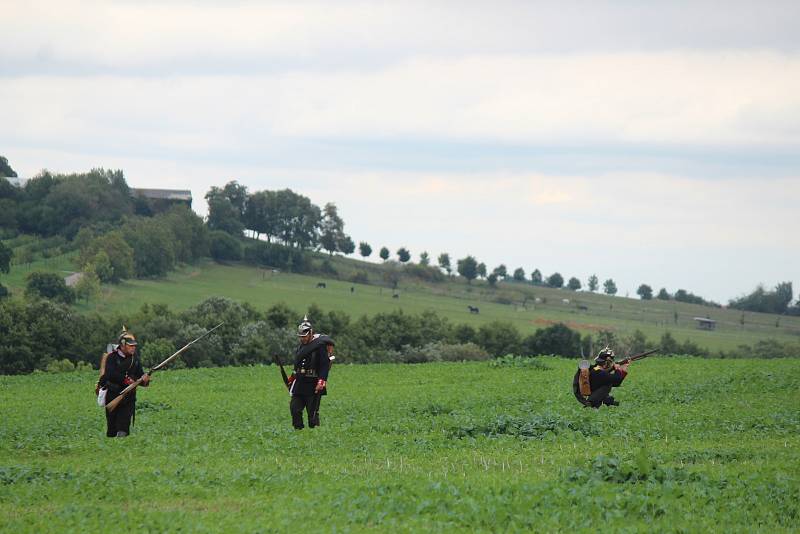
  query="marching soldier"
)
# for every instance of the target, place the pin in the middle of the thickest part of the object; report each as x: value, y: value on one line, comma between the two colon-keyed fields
x: 592, y: 385
x: 307, y: 384
x: 120, y: 368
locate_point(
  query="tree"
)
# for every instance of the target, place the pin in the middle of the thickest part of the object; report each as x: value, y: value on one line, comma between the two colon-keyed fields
x: 331, y: 228
x: 501, y: 271
x: 116, y: 249
x: 574, y: 284
x: 384, y: 253
x: 444, y: 262
x: 645, y: 292
x: 222, y: 214
x: 424, y: 259
x: 5, y: 168
x: 403, y: 254
x: 364, y: 249
x: 492, y: 279
x: 482, y: 270
x: 555, y: 280
x: 609, y: 287
x: 663, y: 294
x: 519, y: 274
x: 593, y: 283
x: 346, y: 245
x: 5, y: 258
x: 536, y: 277
x: 468, y: 268
x: 49, y: 286
x: 88, y: 286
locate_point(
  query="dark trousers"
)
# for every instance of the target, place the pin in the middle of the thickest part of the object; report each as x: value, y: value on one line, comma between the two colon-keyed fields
x: 600, y: 396
x: 120, y: 419
x: 308, y: 402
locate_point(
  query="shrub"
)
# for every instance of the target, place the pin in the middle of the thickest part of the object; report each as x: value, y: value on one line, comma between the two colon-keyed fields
x: 49, y: 286
x: 224, y: 246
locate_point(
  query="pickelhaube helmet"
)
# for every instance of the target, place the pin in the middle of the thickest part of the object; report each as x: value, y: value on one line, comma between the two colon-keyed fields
x: 304, y: 328
x: 126, y: 337
x: 604, y: 355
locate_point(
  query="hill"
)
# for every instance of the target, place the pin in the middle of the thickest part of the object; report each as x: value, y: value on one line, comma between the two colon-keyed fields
x: 525, y: 306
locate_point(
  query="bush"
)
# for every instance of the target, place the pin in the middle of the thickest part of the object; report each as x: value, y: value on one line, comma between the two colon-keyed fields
x: 225, y: 247
x: 60, y: 366
x: 557, y: 339
x: 360, y: 277
x: 442, y: 352
x: 49, y: 286
x: 510, y: 360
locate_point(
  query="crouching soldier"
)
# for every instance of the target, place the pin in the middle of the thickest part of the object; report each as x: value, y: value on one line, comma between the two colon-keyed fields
x: 308, y: 382
x: 120, y: 368
x: 592, y: 384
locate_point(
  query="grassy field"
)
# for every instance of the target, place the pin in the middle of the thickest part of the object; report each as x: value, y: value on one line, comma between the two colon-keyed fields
x: 511, y: 302
x: 696, y: 446
x: 264, y: 288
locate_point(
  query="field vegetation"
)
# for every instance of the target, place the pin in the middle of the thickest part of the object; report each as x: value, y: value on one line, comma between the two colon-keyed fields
x: 697, y: 445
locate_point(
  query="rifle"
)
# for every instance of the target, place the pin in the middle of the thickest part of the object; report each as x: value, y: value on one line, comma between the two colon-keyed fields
x: 111, y: 406
x: 283, y: 373
x: 639, y: 356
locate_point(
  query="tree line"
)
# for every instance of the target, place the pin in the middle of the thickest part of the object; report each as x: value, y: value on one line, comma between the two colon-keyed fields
x: 41, y: 334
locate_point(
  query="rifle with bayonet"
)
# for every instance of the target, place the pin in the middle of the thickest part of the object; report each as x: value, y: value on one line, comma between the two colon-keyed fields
x: 111, y: 406
x: 639, y: 356
x: 283, y: 372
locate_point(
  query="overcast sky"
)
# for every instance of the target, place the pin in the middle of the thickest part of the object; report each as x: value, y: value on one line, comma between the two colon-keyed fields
x: 643, y: 142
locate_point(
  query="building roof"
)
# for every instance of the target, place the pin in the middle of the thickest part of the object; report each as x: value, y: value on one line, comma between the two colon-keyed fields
x: 163, y: 194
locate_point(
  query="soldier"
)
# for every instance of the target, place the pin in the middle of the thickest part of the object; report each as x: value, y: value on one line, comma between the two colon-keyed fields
x: 307, y: 384
x: 120, y: 368
x: 592, y: 386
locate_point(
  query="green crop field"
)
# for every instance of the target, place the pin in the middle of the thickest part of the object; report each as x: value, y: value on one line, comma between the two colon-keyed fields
x: 697, y: 445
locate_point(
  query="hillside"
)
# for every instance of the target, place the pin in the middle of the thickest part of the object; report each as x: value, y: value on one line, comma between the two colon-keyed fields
x: 523, y: 305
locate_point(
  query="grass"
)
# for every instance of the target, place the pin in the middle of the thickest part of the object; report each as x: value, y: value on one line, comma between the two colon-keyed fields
x: 263, y: 288
x: 696, y: 446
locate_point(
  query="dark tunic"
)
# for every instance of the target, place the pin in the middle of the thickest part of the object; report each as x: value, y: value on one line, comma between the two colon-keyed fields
x: 118, y: 367
x: 600, y: 381
x: 311, y: 362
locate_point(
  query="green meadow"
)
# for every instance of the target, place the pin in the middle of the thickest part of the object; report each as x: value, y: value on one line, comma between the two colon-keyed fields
x: 697, y: 445
x: 511, y: 302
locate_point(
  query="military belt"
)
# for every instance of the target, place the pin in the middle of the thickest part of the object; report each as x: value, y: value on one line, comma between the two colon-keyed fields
x: 310, y: 373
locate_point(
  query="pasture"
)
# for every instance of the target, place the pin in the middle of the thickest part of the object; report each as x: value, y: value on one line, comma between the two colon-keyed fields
x: 697, y: 445
x: 511, y: 303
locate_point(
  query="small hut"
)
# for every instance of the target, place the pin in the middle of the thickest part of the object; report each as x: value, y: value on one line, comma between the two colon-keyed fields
x: 704, y: 323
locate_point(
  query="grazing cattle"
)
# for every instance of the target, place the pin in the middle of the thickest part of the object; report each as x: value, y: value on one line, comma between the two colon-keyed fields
x: 352, y: 289
x: 473, y: 309
x: 395, y: 296
x: 322, y: 285
x: 583, y: 308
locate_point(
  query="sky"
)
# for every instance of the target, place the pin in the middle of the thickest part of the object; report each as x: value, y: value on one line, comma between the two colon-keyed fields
x: 646, y: 142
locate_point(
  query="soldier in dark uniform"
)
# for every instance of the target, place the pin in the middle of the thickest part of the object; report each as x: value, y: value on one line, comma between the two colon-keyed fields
x: 592, y: 385
x: 121, y: 368
x: 308, y: 382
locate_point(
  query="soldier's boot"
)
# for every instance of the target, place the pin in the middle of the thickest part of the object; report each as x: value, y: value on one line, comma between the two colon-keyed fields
x: 121, y: 434
x: 609, y: 401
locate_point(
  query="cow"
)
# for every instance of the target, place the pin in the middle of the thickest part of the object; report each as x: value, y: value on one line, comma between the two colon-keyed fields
x: 473, y: 309
x: 395, y: 296
x: 322, y: 285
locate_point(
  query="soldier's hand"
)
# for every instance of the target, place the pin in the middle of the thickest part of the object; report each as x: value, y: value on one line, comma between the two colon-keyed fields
x: 624, y: 367
x: 321, y: 383
x: 290, y: 379
x: 145, y: 380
